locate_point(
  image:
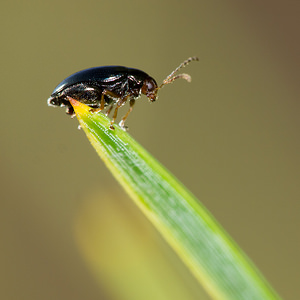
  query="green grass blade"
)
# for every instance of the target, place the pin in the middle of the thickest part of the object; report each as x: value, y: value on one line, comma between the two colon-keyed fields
x: 216, y: 261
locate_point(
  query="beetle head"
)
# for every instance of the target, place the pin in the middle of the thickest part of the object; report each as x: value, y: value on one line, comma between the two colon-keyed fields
x: 149, y: 88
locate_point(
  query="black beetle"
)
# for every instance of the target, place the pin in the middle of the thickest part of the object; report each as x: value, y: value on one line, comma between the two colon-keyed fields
x: 110, y: 85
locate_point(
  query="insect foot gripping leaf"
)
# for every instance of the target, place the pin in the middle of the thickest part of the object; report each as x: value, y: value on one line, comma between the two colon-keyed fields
x: 201, y: 243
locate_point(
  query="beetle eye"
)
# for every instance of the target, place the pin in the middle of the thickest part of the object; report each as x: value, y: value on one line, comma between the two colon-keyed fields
x: 150, y: 85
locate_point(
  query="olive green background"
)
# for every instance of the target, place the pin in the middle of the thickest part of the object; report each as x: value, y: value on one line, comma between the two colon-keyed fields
x: 231, y: 136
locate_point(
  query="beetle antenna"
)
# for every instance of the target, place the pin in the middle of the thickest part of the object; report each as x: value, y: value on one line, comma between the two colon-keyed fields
x: 185, y: 76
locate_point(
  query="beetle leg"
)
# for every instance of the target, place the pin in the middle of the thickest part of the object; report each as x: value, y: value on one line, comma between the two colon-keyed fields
x: 102, y: 104
x: 131, y: 104
x: 109, y: 109
x: 102, y: 100
x: 119, y: 104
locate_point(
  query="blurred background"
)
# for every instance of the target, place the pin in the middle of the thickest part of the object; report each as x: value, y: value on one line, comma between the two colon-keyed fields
x: 231, y: 136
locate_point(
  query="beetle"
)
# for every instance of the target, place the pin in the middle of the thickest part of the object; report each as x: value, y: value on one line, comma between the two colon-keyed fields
x: 110, y: 86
